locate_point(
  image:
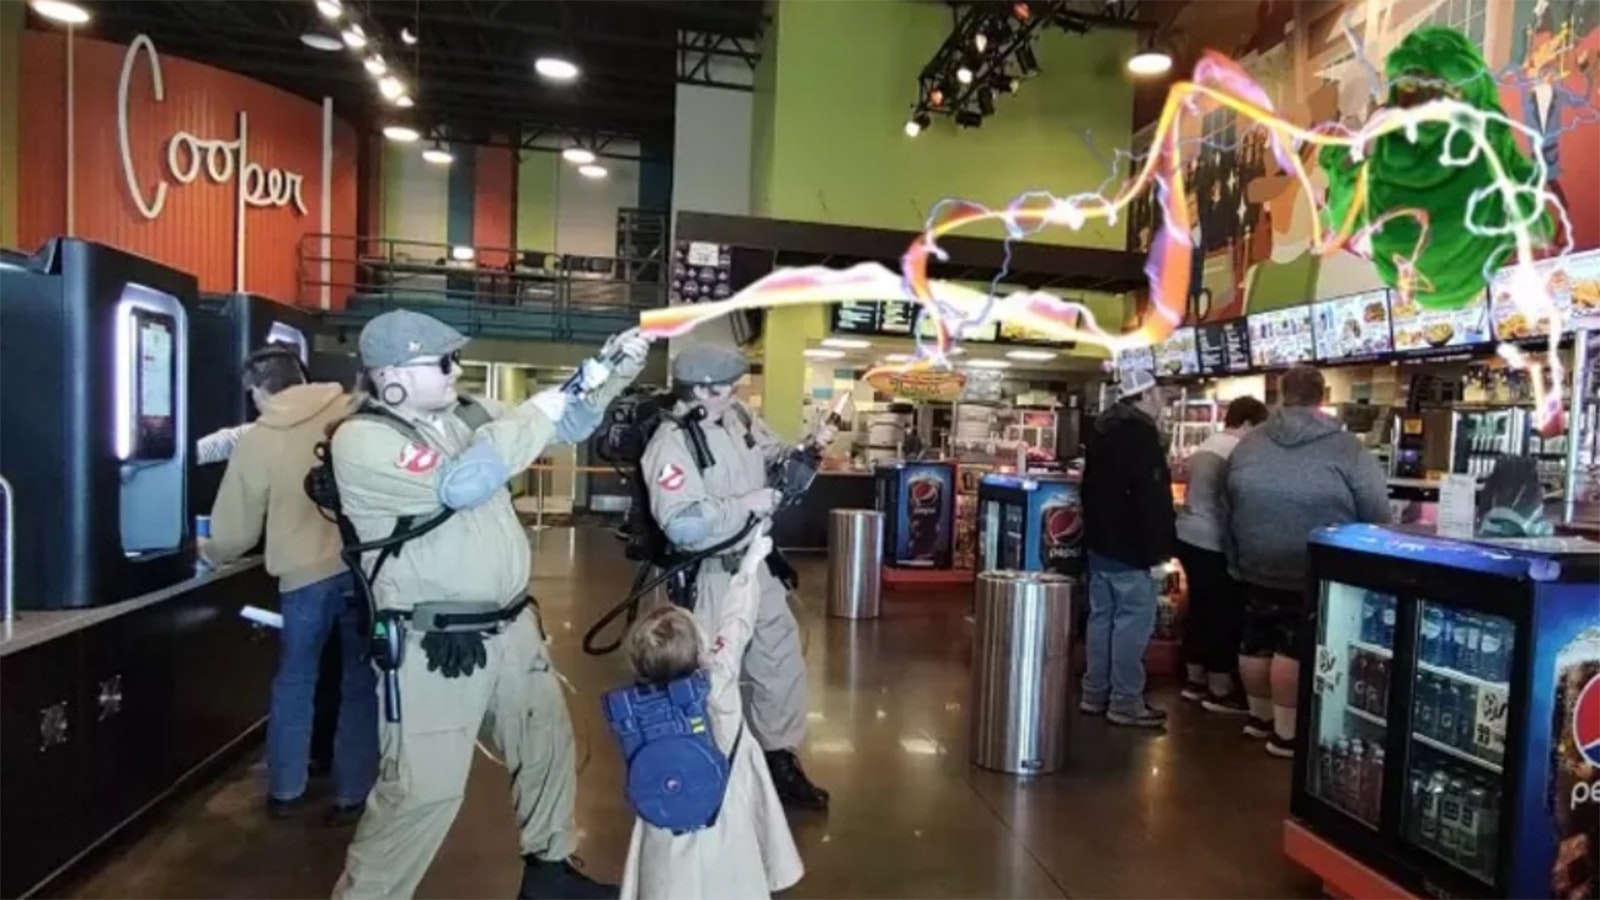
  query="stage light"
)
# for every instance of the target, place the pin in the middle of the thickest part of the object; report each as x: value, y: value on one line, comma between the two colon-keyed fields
x: 391, y: 88
x: 408, y: 37
x: 578, y: 156
x: 964, y: 75
x: 917, y: 123
x: 1150, y: 61
x: 980, y: 42
x: 317, y: 39
x: 402, y: 133
x: 354, y: 37
x: 404, y: 101
x: 1022, y: 11
x: 555, y: 69
x: 936, y: 98
x: 61, y: 11
x: 438, y: 155
x: 592, y: 171
x: 375, y: 65
x: 330, y: 9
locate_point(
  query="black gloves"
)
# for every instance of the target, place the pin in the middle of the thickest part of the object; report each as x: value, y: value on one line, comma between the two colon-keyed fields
x: 454, y: 654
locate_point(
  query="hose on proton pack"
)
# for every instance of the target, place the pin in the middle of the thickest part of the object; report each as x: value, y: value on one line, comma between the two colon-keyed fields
x: 643, y: 585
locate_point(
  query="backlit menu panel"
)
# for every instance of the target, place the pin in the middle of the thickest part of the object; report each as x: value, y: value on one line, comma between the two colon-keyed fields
x: 1136, y: 358
x: 1420, y: 330
x: 856, y: 317
x: 1573, y: 283
x: 1177, y: 356
x: 1280, y: 338
x: 1223, y: 347
x: 1352, y: 327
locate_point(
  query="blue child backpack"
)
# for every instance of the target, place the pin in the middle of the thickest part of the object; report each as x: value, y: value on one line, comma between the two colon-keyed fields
x: 677, y: 775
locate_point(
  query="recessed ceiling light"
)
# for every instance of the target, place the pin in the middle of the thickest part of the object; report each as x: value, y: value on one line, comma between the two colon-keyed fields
x: 375, y: 65
x: 1031, y: 355
x: 322, y: 40
x: 438, y: 156
x: 578, y: 155
x: 401, y: 133
x: 1150, y: 62
x: 818, y: 353
x: 846, y: 343
x: 404, y: 101
x: 390, y: 87
x: 592, y: 171
x: 408, y: 37
x: 354, y: 37
x: 61, y: 11
x: 987, y: 364
x: 555, y: 68
x: 330, y: 9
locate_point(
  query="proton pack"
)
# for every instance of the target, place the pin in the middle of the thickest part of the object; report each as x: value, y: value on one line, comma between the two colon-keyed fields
x: 677, y: 776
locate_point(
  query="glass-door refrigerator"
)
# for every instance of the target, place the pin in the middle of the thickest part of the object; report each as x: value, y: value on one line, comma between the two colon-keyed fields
x: 1449, y: 735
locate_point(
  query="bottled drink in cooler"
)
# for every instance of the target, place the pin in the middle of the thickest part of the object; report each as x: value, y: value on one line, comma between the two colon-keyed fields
x: 1357, y: 697
x: 1432, y: 634
x: 1427, y: 704
x: 1369, y: 618
x: 1386, y: 612
x: 1449, y: 697
x: 1378, y: 686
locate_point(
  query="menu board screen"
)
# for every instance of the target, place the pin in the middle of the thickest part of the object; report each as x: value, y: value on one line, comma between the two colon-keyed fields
x: 1418, y: 329
x: 1177, y: 355
x: 1573, y: 282
x: 1136, y: 358
x: 856, y: 317
x: 1224, y: 347
x: 1280, y: 338
x: 983, y: 333
x: 1352, y: 327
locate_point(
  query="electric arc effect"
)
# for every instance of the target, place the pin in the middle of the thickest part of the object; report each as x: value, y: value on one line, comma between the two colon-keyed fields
x: 1433, y: 189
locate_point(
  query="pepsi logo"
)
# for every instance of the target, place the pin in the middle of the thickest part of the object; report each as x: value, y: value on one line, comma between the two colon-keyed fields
x: 1063, y: 523
x: 1586, y: 722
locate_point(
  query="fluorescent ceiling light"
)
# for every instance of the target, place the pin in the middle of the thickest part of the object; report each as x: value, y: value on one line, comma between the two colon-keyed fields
x: 846, y: 343
x: 438, y: 156
x: 1150, y: 62
x: 818, y: 353
x: 375, y: 65
x: 401, y: 133
x: 407, y: 37
x: 1031, y: 355
x: 61, y: 11
x: 404, y: 101
x: 898, y: 358
x: 330, y: 9
x: 463, y: 254
x: 987, y: 364
x: 555, y: 68
x: 578, y: 155
x: 592, y: 171
x: 322, y: 40
x: 390, y: 87
x: 354, y: 37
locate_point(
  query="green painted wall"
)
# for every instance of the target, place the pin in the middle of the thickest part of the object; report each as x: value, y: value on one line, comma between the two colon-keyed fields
x: 537, y: 176
x: 11, y: 24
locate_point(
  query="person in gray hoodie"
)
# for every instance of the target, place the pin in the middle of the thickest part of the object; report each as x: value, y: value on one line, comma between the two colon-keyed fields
x: 1298, y: 472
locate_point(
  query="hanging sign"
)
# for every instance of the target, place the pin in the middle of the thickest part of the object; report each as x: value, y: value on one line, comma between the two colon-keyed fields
x: 931, y: 384
x: 187, y: 156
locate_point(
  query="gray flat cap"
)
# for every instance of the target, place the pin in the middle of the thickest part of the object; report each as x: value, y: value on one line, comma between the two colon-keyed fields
x: 709, y: 364
x: 401, y: 335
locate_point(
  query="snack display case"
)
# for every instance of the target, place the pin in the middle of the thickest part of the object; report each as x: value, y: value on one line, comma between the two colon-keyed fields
x: 1449, y: 736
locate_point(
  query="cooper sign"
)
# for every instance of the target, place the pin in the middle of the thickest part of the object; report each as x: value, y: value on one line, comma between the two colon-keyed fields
x: 187, y: 156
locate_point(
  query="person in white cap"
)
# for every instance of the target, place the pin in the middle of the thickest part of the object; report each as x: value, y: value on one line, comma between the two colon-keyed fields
x: 471, y: 651
x: 1129, y: 526
x: 706, y: 472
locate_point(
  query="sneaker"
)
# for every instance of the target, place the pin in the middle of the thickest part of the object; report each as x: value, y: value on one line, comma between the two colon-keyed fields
x: 1147, y: 717
x: 1193, y: 691
x: 1092, y: 708
x: 559, y: 880
x: 1233, y: 704
x: 285, y: 809
x: 1259, y: 729
x: 343, y: 815
x: 1280, y: 747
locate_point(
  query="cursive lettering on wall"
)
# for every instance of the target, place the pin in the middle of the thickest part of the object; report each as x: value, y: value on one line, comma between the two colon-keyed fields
x: 187, y: 156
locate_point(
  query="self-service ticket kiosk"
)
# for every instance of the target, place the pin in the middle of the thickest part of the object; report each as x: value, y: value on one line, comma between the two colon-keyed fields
x: 94, y: 423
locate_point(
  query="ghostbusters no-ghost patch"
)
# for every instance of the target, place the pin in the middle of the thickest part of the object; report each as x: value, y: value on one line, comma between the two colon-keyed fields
x: 671, y: 479
x: 418, y: 459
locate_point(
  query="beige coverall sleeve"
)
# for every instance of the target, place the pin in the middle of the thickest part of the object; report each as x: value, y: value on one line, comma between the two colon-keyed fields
x: 384, y: 473
x: 691, y: 518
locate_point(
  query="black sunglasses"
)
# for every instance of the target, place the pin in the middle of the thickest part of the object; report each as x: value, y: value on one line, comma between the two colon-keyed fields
x: 447, y: 363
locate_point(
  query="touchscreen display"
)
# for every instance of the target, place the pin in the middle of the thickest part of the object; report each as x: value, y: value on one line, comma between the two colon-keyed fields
x: 1280, y: 338
x: 156, y: 359
x: 1352, y: 327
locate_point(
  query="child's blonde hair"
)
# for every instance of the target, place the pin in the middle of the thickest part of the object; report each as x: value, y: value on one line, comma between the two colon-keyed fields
x: 664, y: 645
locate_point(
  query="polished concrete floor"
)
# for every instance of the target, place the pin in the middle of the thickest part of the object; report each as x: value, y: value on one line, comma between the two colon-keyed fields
x: 1191, y: 812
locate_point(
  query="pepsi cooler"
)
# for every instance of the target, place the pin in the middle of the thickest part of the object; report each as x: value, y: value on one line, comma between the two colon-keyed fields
x: 1449, y: 728
x: 917, y: 500
x: 1031, y: 523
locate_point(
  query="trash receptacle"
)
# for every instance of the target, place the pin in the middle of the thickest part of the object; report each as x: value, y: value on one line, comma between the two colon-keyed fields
x: 855, y: 563
x: 1021, y: 671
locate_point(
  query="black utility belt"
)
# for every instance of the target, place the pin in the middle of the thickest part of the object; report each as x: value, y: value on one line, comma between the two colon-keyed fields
x: 427, y: 618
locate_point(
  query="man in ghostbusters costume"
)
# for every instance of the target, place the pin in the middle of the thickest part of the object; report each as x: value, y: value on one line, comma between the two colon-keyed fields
x: 706, y: 471
x: 474, y: 649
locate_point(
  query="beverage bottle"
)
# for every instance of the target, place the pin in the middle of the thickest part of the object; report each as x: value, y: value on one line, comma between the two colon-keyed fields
x: 1387, y: 611
x: 1432, y: 633
x: 1378, y: 686
x: 1416, y: 797
x: 1432, y: 798
x: 1325, y: 768
x: 1426, y: 705
x: 1572, y: 788
x: 1489, y: 840
x: 1373, y: 797
x: 1355, y: 773
x: 1467, y: 661
x: 1473, y: 814
x: 1450, y: 816
x: 1341, y: 771
x: 1445, y: 720
x: 1459, y: 634
x: 1447, y: 640
x: 1493, y: 649
x: 1358, y: 680
x: 1369, y: 619
x: 1466, y: 717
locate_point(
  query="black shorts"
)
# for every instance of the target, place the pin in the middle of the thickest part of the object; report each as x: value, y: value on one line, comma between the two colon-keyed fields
x: 1272, y: 621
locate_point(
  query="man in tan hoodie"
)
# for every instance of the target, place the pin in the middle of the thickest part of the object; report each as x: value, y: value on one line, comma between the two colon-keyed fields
x: 264, y: 490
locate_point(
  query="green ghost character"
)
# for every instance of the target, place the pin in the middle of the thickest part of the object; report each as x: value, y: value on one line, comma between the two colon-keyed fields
x: 1407, y: 172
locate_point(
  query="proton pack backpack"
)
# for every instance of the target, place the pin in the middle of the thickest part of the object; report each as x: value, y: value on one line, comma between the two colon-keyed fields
x: 677, y: 776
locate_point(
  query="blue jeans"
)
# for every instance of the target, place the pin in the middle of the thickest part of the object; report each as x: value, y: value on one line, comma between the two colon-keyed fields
x: 310, y: 614
x: 1122, y: 616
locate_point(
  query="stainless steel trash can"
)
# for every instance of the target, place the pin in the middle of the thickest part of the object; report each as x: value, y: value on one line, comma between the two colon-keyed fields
x: 855, y: 563
x: 1021, y: 671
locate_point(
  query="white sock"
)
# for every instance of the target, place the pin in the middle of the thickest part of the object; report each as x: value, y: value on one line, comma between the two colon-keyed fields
x: 1221, y: 683
x: 1283, y: 722
x: 1197, y: 674
x: 1261, y: 708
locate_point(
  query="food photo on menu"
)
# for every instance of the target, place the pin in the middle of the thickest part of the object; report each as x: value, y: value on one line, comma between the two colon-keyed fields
x: 1178, y: 355
x: 1418, y: 328
x: 1280, y: 338
x: 1352, y: 327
